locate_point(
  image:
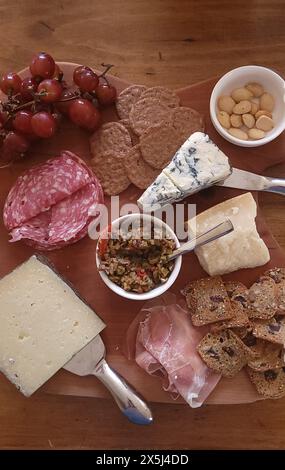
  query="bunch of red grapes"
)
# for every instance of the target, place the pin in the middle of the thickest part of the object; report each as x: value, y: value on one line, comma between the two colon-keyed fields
x: 35, y: 104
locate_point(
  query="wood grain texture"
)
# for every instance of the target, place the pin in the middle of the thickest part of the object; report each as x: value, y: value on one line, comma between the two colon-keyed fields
x: 174, y: 43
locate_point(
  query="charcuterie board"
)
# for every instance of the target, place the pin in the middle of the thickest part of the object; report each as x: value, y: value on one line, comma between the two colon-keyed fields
x: 77, y: 262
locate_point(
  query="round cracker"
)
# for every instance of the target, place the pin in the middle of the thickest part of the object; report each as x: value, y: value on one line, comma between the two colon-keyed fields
x: 164, y: 95
x: 134, y: 137
x: 110, y: 171
x: 147, y: 112
x: 127, y: 98
x: 139, y: 172
x: 111, y: 136
x: 159, y: 145
x: 187, y: 121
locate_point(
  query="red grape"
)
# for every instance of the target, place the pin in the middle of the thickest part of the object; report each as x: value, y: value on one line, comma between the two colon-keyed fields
x: 78, y: 71
x: 86, y: 79
x: 28, y: 86
x: 13, y: 146
x: 50, y: 90
x: 84, y: 114
x: 10, y: 83
x: 42, y: 65
x: 43, y: 124
x: 22, y: 122
x: 63, y: 107
x: 3, y: 118
x: 106, y: 94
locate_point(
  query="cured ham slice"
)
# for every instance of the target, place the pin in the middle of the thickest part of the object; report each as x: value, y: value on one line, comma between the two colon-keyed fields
x: 163, y: 342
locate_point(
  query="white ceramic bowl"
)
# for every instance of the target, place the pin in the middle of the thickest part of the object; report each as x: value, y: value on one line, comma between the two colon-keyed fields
x: 162, y: 287
x: 272, y: 83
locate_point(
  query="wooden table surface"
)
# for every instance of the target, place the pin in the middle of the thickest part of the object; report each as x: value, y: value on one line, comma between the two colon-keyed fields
x: 167, y: 42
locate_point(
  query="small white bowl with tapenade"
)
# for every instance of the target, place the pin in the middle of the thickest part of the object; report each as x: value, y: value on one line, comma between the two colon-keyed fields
x: 131, y: 256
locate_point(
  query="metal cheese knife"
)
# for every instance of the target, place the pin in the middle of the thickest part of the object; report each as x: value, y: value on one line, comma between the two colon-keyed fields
x: 241, y: 179
x: 91, y: 361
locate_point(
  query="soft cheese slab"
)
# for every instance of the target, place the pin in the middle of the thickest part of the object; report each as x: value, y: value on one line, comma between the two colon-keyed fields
x: 242, y: 248
x: 198, y: 164
x: 43, y: 324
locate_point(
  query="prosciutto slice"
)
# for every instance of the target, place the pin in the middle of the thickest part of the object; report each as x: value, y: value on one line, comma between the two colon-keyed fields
x: 163, y: 342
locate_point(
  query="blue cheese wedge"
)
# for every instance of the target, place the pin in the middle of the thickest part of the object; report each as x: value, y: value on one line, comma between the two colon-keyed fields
x: 198, y: 164
x: 242, y: 248
x: 43, y: 323
x: 161, y: 192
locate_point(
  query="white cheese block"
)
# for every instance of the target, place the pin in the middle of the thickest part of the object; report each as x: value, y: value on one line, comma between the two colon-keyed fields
x: 43, y: 323
x: 198, y: 164
x: 161, y: 192
x: 242, y: 248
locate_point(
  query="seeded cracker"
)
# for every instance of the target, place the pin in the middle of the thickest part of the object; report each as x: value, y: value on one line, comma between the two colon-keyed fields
x: 224, y: 352
x: 262, y: 298
x: 110, y: 170
x: 237, y: 293
x: 159, y: 144
x: 187, y: 121
x: 278, y: 276
x: 268, y: 356
x: 147, y: 112
x: 272, y: 330
x: 164, y: 95
x: 137, y: 170
x: 127, y: 98
x: 208, y: 301
x: 270, y: 384
x: 111, y: 136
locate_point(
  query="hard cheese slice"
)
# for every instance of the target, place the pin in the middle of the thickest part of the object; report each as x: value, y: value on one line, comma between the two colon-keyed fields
x: 242, y: 248
x: 198, y: 164
x: 43, y: 324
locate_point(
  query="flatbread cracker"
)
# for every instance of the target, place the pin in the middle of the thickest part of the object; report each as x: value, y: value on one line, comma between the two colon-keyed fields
x: 127, y: 98
x: 267, y: 356
x: 159, y: 144
x: 262, y: 298
x: 111, y: 172
x: 224, y: 352
x: 112, y: 136
x: 147, y: 112
x: 270, y: 384
x: 272, y: 330
x: 237, y: 293
x: 187, y: 121
x: 137, y: 170
x: 208, y: 301
x: 278, y: 276
x: 164, y: 95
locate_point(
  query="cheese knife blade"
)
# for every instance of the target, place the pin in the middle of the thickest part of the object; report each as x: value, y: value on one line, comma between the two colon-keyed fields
x: 241, y: 179
x: 91, y: 361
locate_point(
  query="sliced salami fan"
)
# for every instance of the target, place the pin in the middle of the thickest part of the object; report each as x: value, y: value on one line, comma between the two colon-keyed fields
x: 71, y: 215
x: 63, y: 206
x: 43, y: 186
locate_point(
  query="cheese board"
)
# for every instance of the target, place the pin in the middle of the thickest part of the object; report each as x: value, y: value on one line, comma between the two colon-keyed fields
x: 78, y: 262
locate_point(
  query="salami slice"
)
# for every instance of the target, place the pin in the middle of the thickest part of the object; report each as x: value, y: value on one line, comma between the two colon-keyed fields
x: 66, y: 206
x: 43, y: 186
x: 36, y: 228
x: 72, y: 214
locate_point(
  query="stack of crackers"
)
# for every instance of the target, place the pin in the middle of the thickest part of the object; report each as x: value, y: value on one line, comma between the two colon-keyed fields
x: 246, y: 328
x: 152, y: 127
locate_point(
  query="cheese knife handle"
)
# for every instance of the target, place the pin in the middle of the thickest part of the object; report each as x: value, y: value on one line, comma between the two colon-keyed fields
x: 275, y: 185
x: 213, y: 234
x: 127, y: 399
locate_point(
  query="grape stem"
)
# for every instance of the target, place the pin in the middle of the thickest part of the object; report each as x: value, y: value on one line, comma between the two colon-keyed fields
x: 107, y: 68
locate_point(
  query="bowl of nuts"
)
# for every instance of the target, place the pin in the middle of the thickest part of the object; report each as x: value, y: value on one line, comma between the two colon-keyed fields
x: 247, y: 106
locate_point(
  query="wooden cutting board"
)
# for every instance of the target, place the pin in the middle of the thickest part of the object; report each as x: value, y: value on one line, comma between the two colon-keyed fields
x: 77, y: 262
